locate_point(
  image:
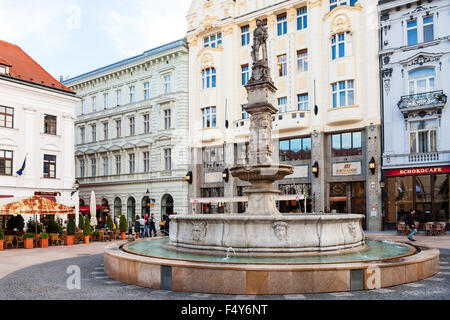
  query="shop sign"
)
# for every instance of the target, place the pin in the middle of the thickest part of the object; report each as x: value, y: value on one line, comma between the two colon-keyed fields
x: 346, y: 168
x: 417, y: 171
x: 299, y: 172
x: 213, y: 177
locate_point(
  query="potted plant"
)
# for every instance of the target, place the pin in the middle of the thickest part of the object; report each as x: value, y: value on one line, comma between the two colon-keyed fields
x: 70, y: 238
x: 95, y: 235
x: 2, y: 237
x: 109, y: 222
x: 80, y: 222
x: 86, y: 230
x: 28, y: 240
x: 123, y: 225
x: 43, y: 240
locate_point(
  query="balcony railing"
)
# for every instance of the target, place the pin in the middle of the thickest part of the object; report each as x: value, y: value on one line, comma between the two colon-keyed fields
x: 427, y: 99
x: 416, y: 158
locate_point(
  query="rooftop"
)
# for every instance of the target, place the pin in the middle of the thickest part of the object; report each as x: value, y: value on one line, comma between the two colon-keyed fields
x: 23, y: 67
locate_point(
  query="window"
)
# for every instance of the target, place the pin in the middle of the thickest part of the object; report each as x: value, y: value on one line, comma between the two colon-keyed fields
x: 281, y: 24
x: 213, y: 41
x: 105, y: 100
x: 50, y: 124
x: 213, y: 157
x: 82, y: 168
x: 343, y: 93
x: 105, y: 130
x: 146, y: 123
x: 245, y: 74
x: 146, y: 161
x: 209, y: 78
x: 302, y: 100
x: 146, y: 90
x: 83, y: 134
x: 118, y: 164
x: 118, y: 128
x: 245, y: 114
x: 336, y: 3
x: 282, y: 66
x: 167, y: 88
x: 83, y: 107
x: 295, y: 149
x: 428, y: 32
x: 132, y: 126
x: 302, y: 18
x: 94, y: 104
x: 93, y: 167
x: 346, y: 144
x: 105, y: 166
x: 49, y: 166
x: 131, y: 159
x: 6, y: 117
x: 245, y: 36
x: 6, y: 162
x: 168, y: 159
x: 302, y: 60
x: 167, y: 119
x: 341, y: 45
x: 423, y: 136
x: 119, y: 97
x: 421, y: 80
x: 209, y: 117
x: 411, y: 28
x: 282, y: 104
x: 132, y: 96
x: 94, y: 132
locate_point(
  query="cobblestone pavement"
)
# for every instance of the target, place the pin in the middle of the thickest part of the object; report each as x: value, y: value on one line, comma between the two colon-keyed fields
x: 49, y: 281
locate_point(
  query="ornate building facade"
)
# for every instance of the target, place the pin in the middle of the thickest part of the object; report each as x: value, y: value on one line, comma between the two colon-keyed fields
x: 132, y: 133
x: 323, y: 57
x: 414, y: 61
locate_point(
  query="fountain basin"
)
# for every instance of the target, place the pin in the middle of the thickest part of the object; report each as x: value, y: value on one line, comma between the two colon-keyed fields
x: 268, y: 234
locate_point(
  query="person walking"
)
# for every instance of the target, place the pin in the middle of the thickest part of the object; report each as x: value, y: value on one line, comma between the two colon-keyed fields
x: 410, y: 221
x: 142, y: 225
x: 152, y: 225
x: 147, y: 225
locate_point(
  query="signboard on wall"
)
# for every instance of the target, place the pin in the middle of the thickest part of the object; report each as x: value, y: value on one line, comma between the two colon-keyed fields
x: 346, y: 169
x: 299, y: 172
x: 213, y: 177
x: 417, y: 171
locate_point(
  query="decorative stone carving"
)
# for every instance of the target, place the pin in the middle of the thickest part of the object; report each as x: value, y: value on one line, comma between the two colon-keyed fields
x: 386, y: 73
x: 228, y: 29
x: 280, y: 229
x: 340, y: 23
x: 260, y: 37
x: 192, y: 41
x: 352, y: 229
x: 271, y: 20
x: 291, y: 13
x: 208, y: 22
x: 314, y: 3
x: 198, y: 231
x: 260, y: 140
x: 207, y: 61
x: 421, y: 59
x: 387, y: 85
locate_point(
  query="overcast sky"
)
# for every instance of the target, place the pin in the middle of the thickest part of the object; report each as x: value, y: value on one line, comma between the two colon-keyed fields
x: 71, y: 37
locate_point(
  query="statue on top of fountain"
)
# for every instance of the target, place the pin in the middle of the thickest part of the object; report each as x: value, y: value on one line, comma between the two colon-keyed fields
x: 260, y: 68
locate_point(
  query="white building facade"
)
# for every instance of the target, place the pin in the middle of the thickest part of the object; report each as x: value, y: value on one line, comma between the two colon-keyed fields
x: 132, y: 133
x: 37, y: 116
x: 415, y: 67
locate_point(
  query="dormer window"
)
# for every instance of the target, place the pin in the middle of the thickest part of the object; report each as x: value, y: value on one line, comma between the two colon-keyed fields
x: 4, y: 67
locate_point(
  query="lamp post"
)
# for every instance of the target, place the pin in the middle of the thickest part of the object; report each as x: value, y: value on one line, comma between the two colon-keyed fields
x: 226, y: 175
x: 372, y: 165
x: 315, y: 169
x: 189, y: 177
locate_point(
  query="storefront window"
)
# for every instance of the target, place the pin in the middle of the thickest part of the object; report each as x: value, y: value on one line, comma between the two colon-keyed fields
x: 295, y: 206
x: 346, y: 144
x: 441, y: 197
x: 400, y: 197
x: 212, y: 207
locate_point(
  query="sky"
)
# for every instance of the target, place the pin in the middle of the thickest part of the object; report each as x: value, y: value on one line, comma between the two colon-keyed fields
x: 71, y: 37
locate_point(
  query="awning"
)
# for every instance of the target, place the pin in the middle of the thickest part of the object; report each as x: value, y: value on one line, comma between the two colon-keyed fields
x: 35, y: 205
x: 86, y: 209
x: 284, y: 197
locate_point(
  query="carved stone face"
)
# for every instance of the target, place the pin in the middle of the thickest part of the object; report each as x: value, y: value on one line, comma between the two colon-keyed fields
x: 352, y: 229
x: 259, y: 22
x: 280, y: 229
x: 198, y: 231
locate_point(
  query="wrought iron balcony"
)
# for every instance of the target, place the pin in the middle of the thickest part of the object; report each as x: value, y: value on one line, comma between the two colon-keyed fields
x: 419, y: 101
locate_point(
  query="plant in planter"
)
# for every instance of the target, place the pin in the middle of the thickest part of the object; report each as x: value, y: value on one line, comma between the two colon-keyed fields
x: 123, y: 226
x: 109, y: 222
x: 43, y: 240
x: 80, y: 222
x: 86, y: 230
x: 70, y: 238
x: 28, y: 240
x: 2, y: 237
x: 15, y: 223
x: 95, y: 235
x: 31, y: 226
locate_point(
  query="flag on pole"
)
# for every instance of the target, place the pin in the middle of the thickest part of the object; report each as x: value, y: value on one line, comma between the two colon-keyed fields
x: 20, y: 171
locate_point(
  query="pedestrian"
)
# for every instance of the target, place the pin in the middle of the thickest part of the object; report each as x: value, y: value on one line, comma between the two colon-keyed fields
x: 147, y: 225
x: 142, y: 226
x: 409, y: 221
x: 166, y: 225
x: 152, y: 225
x: 162, y: 224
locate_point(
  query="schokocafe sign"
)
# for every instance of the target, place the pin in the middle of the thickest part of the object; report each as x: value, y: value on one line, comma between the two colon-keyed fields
x: 417, y: 171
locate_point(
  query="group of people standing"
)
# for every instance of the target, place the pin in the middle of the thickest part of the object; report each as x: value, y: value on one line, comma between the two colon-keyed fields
x: 146, y: 226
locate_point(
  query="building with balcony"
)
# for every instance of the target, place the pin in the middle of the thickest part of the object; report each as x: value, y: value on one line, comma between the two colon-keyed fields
x: 414, y: 61
x: 37, y: 115
x: 323, y: 57
x: 132, y: 133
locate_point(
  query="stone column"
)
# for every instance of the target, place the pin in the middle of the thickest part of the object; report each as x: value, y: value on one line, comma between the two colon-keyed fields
x: 373, y: 218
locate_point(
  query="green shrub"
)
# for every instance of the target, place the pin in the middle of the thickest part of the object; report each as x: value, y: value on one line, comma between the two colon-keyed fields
x: 71, y: 227
x: 109, y: 222
x: 80, y: 222
x: 123, y: 224
x: 137, y: 217
x: 87, y: 227
x: 52, y: 226
x: 2, y: 234
x: 43, y: 235
x: 28, y: 235
x: 59, y: 225
x: 15, y: 222
x: 31, y: 226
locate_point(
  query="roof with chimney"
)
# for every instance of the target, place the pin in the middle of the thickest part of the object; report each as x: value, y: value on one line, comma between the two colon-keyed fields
x: 22, y: 67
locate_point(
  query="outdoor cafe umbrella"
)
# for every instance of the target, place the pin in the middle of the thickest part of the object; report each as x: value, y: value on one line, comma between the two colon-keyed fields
x: 35, y: 205
x: 93, y: 210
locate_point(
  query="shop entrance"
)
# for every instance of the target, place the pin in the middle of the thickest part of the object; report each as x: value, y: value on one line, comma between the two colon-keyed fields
x: 348, y: 197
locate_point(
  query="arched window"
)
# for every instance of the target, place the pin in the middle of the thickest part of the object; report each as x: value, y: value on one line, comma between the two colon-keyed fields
x: 341, y: 45
x: 131, y: 210
x: 421, y: 80
x: 209, y: 78
x: 166, y: 205
x: 336, y: 3
x: 117, y: 207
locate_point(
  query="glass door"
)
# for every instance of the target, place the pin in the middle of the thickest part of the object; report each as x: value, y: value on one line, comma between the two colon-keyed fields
x: 423, y: 196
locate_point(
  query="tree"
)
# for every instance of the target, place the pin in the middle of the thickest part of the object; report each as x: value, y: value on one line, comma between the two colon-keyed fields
x: 31, y: 226
x: 71, y: 227
x: 109, y: 222
x: 2, y: 234
x: 123, y: 224
x: 87, y: 227
x: 80, y: 222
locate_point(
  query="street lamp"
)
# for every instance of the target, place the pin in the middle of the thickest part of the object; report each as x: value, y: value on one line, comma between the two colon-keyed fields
x: 76, y: 186
x: 225, y: 175
x: 189, y: 177
x: 315, y: 169
x: 372, y: 165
